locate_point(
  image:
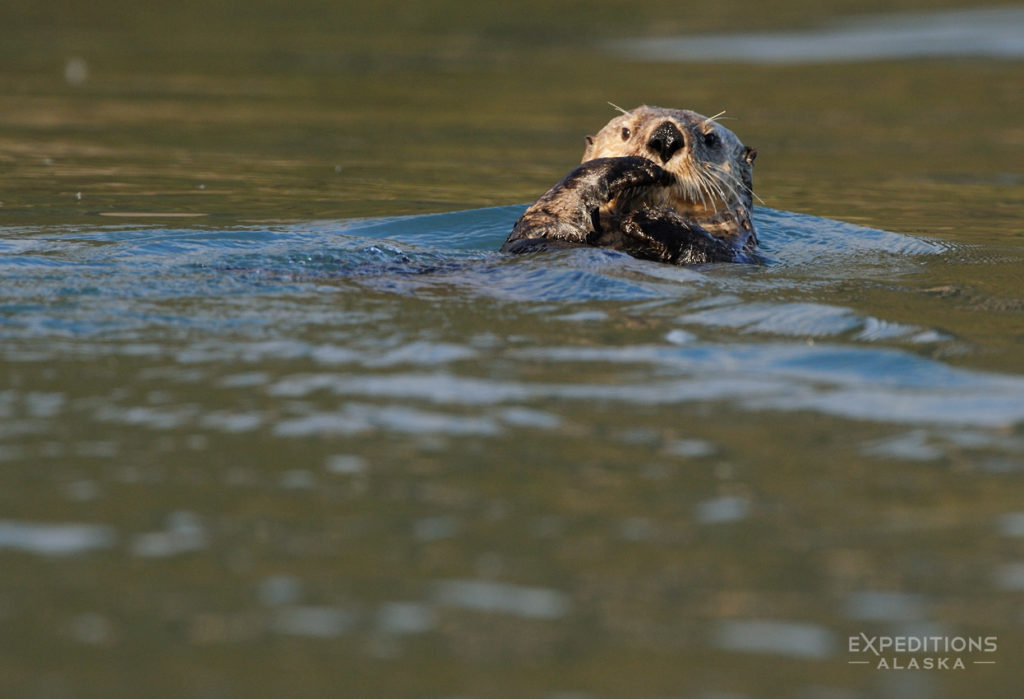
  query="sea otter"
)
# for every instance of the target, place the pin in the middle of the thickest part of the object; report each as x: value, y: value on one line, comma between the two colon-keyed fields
x: 660, y: 184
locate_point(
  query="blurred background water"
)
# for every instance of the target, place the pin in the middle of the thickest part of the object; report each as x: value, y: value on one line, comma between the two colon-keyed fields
x: 276, y: 419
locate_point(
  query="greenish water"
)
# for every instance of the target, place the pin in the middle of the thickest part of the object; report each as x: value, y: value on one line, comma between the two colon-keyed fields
x: 276, y: 419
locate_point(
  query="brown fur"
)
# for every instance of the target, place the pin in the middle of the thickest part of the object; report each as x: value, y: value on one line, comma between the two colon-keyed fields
x: 662, y: 184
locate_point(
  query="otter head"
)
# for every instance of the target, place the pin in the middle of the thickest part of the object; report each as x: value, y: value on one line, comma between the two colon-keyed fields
x: 714, y: 175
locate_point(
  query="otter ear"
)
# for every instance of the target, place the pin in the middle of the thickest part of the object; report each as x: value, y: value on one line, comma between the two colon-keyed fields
x: 590, y: 146
x: 749, y: 154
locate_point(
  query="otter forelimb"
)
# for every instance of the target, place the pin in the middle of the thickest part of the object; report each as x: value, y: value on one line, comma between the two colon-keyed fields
x: 662, y: 235
x: 572, y: 214
x: 567, y: 215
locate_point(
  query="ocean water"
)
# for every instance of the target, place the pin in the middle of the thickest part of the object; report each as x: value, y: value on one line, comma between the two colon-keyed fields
x: 278, y: 419
x: 384, y: 436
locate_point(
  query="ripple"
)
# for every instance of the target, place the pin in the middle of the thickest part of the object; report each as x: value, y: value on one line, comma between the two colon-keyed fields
x: 988, y: 32
x: 92, y: 628
x: 722, y: 510
x: 306, y: 269
x: 807, y: 319
x: 55, y: 539
x: 1011, y: 524
x: 346, y: 464
x: 875, y: 605
x: 96, y: 273
x: 797, y: 319
x: 312, y: 621
x: 183, y: 533
x: 435, y: 528
x: 912, y: 446
x: 793, y: 639
x: 232, y: 422
x: 356, y: 419
x: 146, y: 416
x: 1010, y: 576
x: 486, y: 596
x: 478, y: 229
x: 691, y: 448
x: 280, y: 590
x: 420, y: 353
x: 863, y: 383
x: 436, y: 388
x: 405, y: 618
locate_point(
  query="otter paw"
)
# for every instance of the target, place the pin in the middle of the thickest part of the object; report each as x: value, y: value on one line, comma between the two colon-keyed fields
x: 665, y: 236
x: 614, y: 176
x: 569, y: 211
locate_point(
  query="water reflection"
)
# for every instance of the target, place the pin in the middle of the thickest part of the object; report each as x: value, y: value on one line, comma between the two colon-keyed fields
x: 487, y: 596
x: 857, y: 382
x: 183, y: 533
x: 351, y: 435
x: 991, y: 32
x: 1011, y: 524
x: 788, y: 638
x: 722, y: 510
x: 253, y: 446
x: 1010, y: 576
x: 55, y: 538
x: 891, y: 607
x: 347, y: 464
x: 404, y: 618
x: 313, y: 622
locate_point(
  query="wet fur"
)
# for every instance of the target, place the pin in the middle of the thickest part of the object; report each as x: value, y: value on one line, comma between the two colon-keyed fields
x: 694, y: 207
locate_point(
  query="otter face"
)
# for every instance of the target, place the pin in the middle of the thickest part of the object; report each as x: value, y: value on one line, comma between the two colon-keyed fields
x: 713, y: 169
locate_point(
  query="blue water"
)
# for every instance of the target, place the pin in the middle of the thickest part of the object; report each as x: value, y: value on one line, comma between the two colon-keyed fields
x: 251, y: 445
x: 760, y: 336
x: 403, y: 254
x: 352, y: 431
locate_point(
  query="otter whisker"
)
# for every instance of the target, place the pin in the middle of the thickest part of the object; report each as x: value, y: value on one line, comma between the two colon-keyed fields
x: 713, y: 196
x: 689, y: 192
x: 725, y: 179
x: 713, y: 118
x: 702, y: 189
x: 736, y: 180
x: 713, y: 188
x: 697, y: 185
x: 709, y: 187
x: 704, y: 185
x: 722, y: 182
x: 715, y: 193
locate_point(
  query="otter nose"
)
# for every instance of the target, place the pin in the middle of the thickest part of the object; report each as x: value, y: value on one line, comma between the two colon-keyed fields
x: 666, y: 140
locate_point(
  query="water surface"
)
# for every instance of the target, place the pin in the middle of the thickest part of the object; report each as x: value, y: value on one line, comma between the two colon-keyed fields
x: 988, y: 32
x: 276, y: 418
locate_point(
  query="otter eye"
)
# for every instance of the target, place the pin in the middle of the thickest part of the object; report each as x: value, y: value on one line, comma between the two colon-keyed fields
x: 711, y: 139
x: 625, y: 134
